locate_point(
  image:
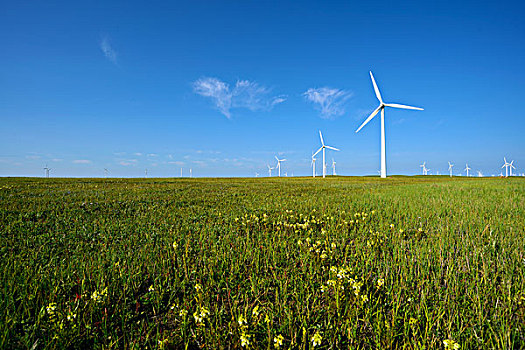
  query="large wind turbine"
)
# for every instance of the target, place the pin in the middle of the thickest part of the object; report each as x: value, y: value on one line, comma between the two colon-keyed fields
x: 279, y: 164
x: 450, y: 166
x: 269, y: 170
x: 381, y: 108
x: 323, y: 146
x: 467, y: 168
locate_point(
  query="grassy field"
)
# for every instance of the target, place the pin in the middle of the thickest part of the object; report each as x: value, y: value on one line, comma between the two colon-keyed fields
x: 413, y: 263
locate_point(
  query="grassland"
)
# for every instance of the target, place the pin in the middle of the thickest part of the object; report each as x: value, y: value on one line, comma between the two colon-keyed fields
x: 414, y: 263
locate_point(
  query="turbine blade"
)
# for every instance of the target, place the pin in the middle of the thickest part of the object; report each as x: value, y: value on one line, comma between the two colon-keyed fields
x: 376, y: 89
x: 276, y: 158
x: 321, y: 136
x: 369, y: 118
x: 330, y: 147
x: 319, y: 150
x: 397, y: 105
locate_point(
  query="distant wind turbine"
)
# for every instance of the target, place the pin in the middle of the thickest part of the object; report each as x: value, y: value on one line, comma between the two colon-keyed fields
x: 313, y: 164
x: 46, y: 171
x: 467, y: 169
x: 381, y: 108
x: 269, y: 170
x: 506, y: 166
x: 450, y: 166
x: 279, y: 164
x: 256, y: 174
x: 323, y: 146
x: 424, y: 168
x: 106, y: 171
x: 333, y: 167
x: 146, y: 173
x: 180, y: 172
x: 191, y: 172
x: 480, y: 174
x: 511, y: 167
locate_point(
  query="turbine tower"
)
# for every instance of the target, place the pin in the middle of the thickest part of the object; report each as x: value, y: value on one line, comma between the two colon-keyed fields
x: 333, y: 167
x: 381, y: 108
x: 106, y: 171
x: 450, y: 166
x: 279, y: 164
x: 323, y: 146
x: 467, y: 168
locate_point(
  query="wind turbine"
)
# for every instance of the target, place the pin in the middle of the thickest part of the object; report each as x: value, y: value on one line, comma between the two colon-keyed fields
x: 450, y: 166
x: 313, y: 164
x: 270, y: 170
x: 323, y: 146
x: 505, y: 165
x: 333, y: 167
x: 106, y: 171
x: 191, y: 173
x: 279, y: 164
x: 467, y: 168
x: 180, y: 172
x: 256, y: 174
x: 381, y: 108
x: 146, y: 173
x: 480, y: 174
x: 424, y: 168
x: 47, y: 169
x: 511, y: 167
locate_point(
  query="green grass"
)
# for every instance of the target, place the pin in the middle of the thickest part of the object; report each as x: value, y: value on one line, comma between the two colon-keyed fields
x: 406, y: 262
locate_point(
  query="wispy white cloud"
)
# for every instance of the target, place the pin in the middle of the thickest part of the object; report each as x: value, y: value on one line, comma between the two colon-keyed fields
x: 329, y: 101
x: 138, y: 154
x: 82, y: 161
x: 245, y: 94
x: 152, y: 155
x: 108, y: 51
x: 128, y: 162
x: 33, y: 157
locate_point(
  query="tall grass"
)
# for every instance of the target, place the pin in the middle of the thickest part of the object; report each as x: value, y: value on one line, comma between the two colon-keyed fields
x: 424, y: 262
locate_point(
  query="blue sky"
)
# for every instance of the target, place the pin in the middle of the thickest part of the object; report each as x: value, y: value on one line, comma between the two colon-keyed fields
x: 223, y: 86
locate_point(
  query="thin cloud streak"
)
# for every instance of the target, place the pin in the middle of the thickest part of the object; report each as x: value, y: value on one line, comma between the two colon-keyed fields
x: 245, y: 94
x: 108, y: 51
x: 329, y: 101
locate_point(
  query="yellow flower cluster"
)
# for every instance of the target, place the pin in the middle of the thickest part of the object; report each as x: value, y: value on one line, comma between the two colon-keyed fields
x: 99, y: 297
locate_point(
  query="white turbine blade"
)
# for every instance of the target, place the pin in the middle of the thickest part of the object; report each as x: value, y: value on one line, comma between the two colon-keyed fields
x: 376, y: 89
x: 369, y: 118
x: 276, y: 158
x: 397, y: 105
x: 283, y: 160
x: 321, y: 136
x: 319, y: 150
x: 330, y: 147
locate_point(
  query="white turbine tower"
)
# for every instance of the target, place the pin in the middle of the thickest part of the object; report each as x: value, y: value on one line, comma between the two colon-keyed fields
x: 106, y: 171
x: 450, y: 166
x: 333, y: 167
x: 279, y: 164
x: 381, y: 108
x: 146, y: 173
x: 313, y: 164
x: 180, y: 172
x: 466, y: 168
x: 191, y: 173
x: 480, y: 174
x: 323, y: 146
x: 269, y: 170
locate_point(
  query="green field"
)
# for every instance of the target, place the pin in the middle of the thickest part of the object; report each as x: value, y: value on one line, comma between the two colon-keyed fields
x: 405, y: 262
